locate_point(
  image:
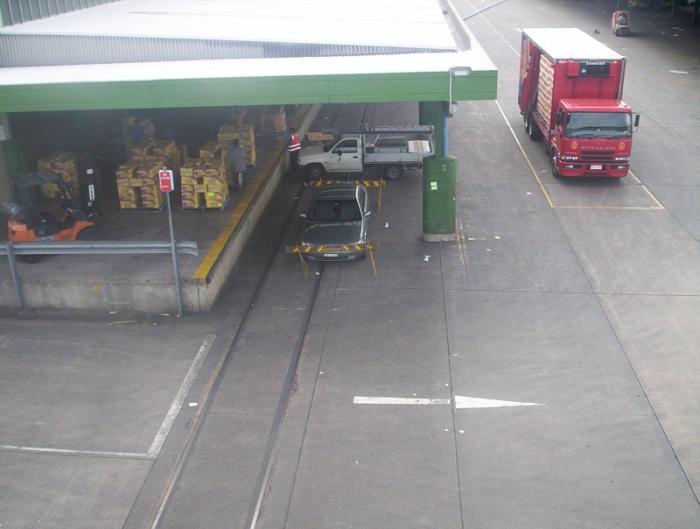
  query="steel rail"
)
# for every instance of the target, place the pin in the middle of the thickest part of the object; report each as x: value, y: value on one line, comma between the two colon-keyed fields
x: 159, y: 510
x: 96, y: 248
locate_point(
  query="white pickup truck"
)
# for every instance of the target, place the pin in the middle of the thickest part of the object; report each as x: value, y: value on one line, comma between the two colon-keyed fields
x: 390, y: 149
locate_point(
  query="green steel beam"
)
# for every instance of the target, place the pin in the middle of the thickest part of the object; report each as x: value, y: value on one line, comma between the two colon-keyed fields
x: 181, y: 93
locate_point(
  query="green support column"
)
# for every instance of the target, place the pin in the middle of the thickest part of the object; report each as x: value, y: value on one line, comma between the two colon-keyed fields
x: 439, y: 198
x: 433, y: 113
x: 439, y: 179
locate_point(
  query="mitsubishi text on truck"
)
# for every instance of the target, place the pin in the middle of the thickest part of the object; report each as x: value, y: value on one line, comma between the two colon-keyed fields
x: 570, y: 94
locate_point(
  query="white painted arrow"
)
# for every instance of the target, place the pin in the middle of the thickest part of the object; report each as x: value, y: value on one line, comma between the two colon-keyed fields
x: 400, y: 401
x: 475, y: 402
x: 461, y: 402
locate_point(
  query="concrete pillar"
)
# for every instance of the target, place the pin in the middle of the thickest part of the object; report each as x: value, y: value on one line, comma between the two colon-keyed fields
x: 439, y: 178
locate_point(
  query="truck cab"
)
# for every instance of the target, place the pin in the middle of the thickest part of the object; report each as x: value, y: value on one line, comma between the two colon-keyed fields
x: 592, y: 137
x: 342, y: 155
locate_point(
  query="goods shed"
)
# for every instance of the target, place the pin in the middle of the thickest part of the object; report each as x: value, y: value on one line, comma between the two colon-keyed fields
x: 130, y: 83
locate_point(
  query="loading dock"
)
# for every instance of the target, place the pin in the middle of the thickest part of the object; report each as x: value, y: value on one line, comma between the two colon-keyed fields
x: 416, y: 60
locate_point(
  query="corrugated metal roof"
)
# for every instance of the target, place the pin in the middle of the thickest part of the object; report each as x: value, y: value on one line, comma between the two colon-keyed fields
x: 19, y: 11
x: 156, y: 30
x: 295, y: 66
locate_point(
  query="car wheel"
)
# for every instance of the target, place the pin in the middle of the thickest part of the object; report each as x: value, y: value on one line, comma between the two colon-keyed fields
x: 394, y: 172
x: 315, y: 171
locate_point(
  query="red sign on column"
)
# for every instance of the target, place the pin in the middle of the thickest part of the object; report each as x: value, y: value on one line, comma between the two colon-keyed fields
x: 167, y: 183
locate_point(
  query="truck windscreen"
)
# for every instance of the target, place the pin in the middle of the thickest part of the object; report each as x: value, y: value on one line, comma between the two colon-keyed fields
x: 599, y: 124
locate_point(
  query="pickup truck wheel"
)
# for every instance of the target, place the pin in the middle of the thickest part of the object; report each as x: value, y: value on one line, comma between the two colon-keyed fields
x: 394, y: 172
x: 532, y: 130
x: 315, y: 171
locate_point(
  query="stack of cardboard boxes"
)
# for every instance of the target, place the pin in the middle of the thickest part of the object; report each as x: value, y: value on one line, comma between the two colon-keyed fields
x: 63, y: 163
x: 203, y: 184
x: 137, y: 184
x: 244, y: 133
x: 137, y: 179
x: 271, y: 119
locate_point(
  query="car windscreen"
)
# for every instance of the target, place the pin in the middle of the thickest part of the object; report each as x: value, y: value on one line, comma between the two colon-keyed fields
x: 599, y: 124
x: 337, y: 210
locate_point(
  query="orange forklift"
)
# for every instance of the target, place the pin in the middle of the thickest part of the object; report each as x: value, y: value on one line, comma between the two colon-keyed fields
x: 35, y: 218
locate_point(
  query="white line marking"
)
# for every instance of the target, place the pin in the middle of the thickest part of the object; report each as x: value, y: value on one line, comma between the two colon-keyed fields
x: 474, y: 402
x: 160, y: 437
x: 525, y: 156
x: 659, y: 205
x: 400, y: 401
x: 61, y: 451
x: 680, y: 72
x: 175, y: 407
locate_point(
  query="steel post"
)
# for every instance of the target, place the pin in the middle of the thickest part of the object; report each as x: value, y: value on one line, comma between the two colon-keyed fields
x: 176, y: 272
x: 15, y: 275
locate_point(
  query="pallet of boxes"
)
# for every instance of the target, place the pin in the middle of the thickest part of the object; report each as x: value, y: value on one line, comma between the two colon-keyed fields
x: 137, y: 179
x: 245, y: 134
x: 65, y: 164
x: 203, y: 180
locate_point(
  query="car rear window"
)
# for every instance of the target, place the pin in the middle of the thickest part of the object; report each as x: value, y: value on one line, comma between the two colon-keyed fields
x: 335, y: 211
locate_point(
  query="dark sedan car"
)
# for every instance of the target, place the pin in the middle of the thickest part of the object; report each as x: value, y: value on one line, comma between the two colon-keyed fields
x: 335, y: 224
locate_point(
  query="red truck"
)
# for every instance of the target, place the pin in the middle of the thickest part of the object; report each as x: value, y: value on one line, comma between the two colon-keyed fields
x: 570, y: 94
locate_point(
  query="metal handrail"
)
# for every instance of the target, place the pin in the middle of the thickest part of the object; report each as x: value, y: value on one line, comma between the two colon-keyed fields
x: 11, y: 250
x: 97, y: 247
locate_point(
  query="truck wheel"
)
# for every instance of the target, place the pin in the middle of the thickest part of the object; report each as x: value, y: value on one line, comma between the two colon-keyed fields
x: 315, y: 171
x: 394, y: 172
x: 532, y: 130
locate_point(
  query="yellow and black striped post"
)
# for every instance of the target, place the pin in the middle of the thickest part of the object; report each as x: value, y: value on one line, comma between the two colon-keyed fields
x: 380, y: 184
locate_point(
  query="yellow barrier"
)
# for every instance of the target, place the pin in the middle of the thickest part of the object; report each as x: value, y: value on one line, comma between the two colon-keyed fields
x: 381, y: 184
x: 305, y: 249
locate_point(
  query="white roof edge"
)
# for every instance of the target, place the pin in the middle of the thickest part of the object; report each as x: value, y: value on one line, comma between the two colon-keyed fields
x: 476, y: 59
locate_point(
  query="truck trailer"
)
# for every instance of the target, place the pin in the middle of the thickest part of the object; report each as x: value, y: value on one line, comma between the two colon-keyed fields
x: 570, y: 95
